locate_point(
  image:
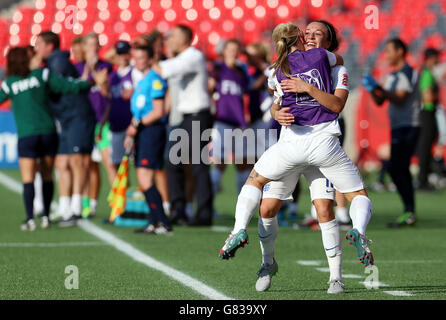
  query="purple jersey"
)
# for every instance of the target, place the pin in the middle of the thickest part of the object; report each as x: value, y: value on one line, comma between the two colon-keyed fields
x: 313, y: 67
x: 231, y: 85
x: 120, y: 114
x: 97, y: 100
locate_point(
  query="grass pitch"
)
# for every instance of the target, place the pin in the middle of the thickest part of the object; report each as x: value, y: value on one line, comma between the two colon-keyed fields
x: 410, y: 261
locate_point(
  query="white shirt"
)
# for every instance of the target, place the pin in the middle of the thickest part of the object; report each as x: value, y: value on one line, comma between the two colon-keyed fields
x: 190, y: 66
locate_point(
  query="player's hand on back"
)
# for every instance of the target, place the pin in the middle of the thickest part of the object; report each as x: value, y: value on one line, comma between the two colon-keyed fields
x: 296, y: 85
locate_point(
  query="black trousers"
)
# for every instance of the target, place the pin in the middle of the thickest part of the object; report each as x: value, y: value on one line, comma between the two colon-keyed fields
x: 191, y: 149
x: 404, y: 141
x: 428, y: 132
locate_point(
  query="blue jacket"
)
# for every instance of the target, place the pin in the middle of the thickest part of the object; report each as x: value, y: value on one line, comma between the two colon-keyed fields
x: 67, y: 106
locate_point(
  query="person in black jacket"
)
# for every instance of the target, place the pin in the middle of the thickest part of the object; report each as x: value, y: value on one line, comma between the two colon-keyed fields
x: 76, y: 130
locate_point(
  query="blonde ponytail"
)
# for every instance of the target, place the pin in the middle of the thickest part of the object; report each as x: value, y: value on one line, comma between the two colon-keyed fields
x: 285, y: 35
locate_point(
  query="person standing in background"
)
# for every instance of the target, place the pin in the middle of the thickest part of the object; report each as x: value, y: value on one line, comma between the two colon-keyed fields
x: 76, y: 128
x: 148, y: 131
x: 428, y: 124
x: 29, y: 91
x: 230, y: 83
x: 155, y: 40
x: 401, y: 90
x: 119, y: 115
x: 77, y: 50
x: 102, y: 134
x: 190, y: 65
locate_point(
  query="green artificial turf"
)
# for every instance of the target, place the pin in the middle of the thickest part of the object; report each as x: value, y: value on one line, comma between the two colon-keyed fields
x: 410, y: 259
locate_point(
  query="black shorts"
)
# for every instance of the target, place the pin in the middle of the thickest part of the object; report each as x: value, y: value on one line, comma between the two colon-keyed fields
x: 38, y: 146
x: 149, y: 146
x: 77, y: 136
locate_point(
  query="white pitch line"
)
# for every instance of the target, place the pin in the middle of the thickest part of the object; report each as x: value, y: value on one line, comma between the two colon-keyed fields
x: 10, y: 183
x: 51, y: 244
x: 134, y: 253
x: 323, y: 269
x: 378, y: 284
x: 309, y: 262
x: 367, y: 284
x: 379, y: 262
x: 399, y: 293
x: 220, y: 229
x: 352, y: 276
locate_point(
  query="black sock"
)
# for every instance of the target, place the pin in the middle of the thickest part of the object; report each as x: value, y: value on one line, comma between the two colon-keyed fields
x: 155, y: 203
x: 48, y: 191
x: 28, y: 197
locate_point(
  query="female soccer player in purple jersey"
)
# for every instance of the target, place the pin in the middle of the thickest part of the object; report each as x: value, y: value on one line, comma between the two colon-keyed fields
x: 229, y: 84
x: 310, y: 140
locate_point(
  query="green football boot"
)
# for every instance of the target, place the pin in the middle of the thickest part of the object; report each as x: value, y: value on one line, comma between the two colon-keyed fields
x: 232, y: 243
x: 361, y: 244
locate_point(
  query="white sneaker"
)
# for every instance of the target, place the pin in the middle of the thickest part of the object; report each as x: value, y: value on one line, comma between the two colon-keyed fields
x: 44, y: 222
x: 336, y: 286
x: 265, y: 273
x: 163, y: 230
x: 29, y: 225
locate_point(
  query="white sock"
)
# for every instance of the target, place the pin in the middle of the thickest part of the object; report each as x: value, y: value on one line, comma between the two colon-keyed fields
x: 247, y: 203
x: 64, y: 209
x: 313, y: 212
x: 241, y: 177
x: 38, y: 194
x: 268, y: 229
x: 166, y: 207
x: 341, y: 214
x: 331, y: 239
x: 360, y: 212
x: 93, y: 205
x: 76, y: 204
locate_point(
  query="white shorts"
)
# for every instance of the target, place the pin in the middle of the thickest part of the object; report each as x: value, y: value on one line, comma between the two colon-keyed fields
x: 320, y: 187
x: 293, y: 154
